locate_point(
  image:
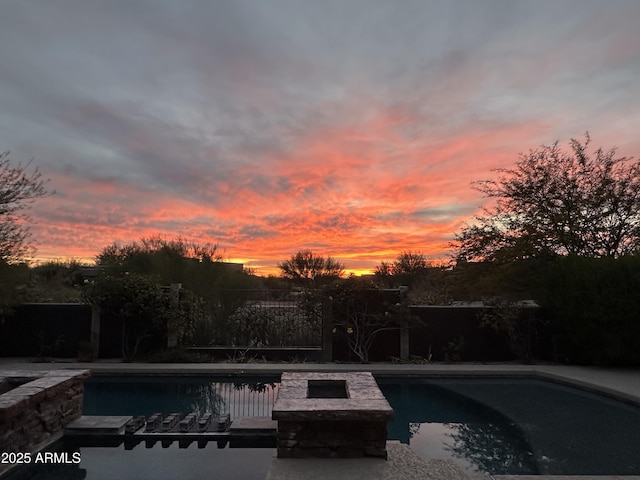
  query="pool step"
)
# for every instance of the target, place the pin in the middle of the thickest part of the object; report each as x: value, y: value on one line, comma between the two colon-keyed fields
x: 204, y: 422
x: 98, y: 424
x: 112, y: 431
x: 223, y: 423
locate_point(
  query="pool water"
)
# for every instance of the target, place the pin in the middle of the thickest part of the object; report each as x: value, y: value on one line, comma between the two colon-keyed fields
x: 246, y: 397
x: 515, y: 426
x: 441, y: 424
x: 490, y: 425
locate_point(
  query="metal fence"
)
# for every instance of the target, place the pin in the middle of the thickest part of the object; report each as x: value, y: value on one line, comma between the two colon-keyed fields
x: 268, y: 318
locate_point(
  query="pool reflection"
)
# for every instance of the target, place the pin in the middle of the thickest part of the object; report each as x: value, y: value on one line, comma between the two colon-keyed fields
x: 250, y: 397
x: 441, y: 424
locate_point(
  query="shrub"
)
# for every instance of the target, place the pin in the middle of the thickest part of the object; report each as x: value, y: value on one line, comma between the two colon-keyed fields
x: 595, y: 304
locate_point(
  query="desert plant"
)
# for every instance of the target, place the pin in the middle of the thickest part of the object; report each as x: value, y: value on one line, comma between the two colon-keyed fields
x: 361, y: 315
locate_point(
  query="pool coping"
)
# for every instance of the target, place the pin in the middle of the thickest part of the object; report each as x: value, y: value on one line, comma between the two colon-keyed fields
x: 623, y: 383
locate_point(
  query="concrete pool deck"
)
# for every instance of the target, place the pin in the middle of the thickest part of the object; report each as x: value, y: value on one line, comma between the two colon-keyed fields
x: 402, y: 463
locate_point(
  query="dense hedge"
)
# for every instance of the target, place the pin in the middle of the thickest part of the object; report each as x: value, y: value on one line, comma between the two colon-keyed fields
x: 594, y: 305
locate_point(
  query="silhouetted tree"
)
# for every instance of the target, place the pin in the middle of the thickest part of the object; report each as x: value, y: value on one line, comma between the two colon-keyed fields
x: 383, y: 270
x: 410, y: 263
x: 19, y: 187
x: 555, y: 202
x: 310, y: 270
x: 153, y: 252
x: 198, y: 267
x: 404, y: 270
x: 406, y: 263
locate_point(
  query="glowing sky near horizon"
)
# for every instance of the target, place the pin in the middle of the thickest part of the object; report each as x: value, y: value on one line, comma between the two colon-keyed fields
x: 352, y: 128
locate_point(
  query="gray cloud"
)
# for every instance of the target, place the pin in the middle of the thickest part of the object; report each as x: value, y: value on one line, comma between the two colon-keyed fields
x: 443, y: 213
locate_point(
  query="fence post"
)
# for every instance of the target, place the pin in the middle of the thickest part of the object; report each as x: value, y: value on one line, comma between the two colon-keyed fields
x: 95, y: 330
x: 327, y: 330
x: 172, y: 333
x: 403, y: 290
x: 404, y: 340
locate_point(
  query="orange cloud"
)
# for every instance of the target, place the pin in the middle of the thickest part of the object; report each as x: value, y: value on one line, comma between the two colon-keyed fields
x: 360, y: 194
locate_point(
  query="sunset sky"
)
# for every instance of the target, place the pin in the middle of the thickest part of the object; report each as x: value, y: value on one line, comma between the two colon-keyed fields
x: 352, y: 128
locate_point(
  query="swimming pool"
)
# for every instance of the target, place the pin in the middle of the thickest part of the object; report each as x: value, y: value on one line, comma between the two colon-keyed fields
x: 494, y: 425
x: 515, y: 425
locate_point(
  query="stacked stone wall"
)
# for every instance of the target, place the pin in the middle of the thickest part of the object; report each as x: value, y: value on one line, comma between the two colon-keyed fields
x: 343, y: 439
x: 39, y: 409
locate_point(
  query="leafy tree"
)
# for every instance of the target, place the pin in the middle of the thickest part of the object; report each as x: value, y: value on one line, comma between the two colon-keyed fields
x: 557, y: 202
x: 310, y: 270
x: 138, y: 301
x: 13, y: 276
x: 55, y: 281
x: 19, y: 187
x: 518, y: 322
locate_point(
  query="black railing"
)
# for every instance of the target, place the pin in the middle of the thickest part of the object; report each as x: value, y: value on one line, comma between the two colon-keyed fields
x: 267, y: 318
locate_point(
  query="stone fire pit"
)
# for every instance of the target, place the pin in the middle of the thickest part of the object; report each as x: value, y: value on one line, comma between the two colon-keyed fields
x: 331, y: 415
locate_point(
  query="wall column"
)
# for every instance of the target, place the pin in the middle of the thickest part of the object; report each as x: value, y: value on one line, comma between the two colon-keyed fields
x: 327, y: 330
x: 95, y: 330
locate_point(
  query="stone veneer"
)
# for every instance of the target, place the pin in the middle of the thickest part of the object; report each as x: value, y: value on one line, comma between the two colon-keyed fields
x: 38, y: 407
x: 331, y: 426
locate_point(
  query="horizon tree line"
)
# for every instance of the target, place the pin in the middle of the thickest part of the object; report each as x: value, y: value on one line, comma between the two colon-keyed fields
x: 553, y: 202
